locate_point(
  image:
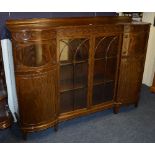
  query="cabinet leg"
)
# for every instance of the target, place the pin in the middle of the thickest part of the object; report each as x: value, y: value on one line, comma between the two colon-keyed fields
x: 24, y: 134
x: 56, y: 127
x: 116, y: 109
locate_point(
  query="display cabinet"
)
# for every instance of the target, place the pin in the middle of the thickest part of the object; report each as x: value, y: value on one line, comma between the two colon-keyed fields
x: 70, y: 67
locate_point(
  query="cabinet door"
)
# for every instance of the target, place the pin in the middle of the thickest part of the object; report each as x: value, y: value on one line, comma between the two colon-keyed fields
x: 130, y: 77
x: 37, y: 98
x: 74, y: 57
x: 105, y: 67
x: 132, y: 64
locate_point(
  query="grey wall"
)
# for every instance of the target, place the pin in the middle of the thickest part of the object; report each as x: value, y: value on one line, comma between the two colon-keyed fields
x: 18, y: 15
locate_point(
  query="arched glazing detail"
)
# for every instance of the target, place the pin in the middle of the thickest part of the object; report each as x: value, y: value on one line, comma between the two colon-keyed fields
x: 73, y: 55
x: 105, y: 63
x: 106, y: 46
x: 72, y: 50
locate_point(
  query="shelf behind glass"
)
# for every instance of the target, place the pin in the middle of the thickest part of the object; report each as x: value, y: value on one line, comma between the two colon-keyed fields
x: 73, y: 77
x: 65, y: 63
x: 73, y: 100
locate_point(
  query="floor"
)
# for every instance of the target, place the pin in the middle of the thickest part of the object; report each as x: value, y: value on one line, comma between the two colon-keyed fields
x: 130, y: 125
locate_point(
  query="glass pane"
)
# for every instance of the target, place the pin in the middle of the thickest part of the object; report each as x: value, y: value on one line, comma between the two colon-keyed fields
x: 65, y: 54
x: 37, y: 55
x: 99, y: 71
x: 66, y: 77
x: 73, y: 50
x: 104, y: 70
x: 80, y: 98
x: 103, y: 93
x: 81, y: 75
x: 70, y: 77
x: 73, y: 100
x: 105, y: 63
x: 106, y: 46
x: 73, y: 73
x: 110, y: 69
x: 66, y: 101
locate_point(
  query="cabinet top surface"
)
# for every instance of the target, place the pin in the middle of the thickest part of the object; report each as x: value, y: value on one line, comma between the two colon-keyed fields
x: 76, y: 21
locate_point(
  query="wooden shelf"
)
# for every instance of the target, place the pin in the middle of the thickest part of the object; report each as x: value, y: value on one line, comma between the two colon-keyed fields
x: 69, y: 87
x: 104, y: 58
x: 100, y: 81
x: 75, y: 62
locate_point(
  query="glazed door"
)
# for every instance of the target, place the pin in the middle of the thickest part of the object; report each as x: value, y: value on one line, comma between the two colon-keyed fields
x: 105, y: 62
x: 74, y: 58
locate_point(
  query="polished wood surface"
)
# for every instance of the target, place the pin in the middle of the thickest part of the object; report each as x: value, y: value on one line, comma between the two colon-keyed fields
x: 152, y: 88
x: 60, y: 22
x: 132, y: 63
x: 71, y: 67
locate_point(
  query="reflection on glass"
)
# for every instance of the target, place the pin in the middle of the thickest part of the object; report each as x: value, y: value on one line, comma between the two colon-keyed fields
x: 73, y: 50
x: 35, y: 55
x: 106, y: 46
x: 38, y: 54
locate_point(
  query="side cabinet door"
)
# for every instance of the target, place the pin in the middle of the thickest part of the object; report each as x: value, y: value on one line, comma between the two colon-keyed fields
x: 132, y: 63
x: 130, y: 77
x: 36, y: 77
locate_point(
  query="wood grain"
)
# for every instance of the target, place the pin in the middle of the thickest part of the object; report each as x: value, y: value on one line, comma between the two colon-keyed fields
x: 132, y: 63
